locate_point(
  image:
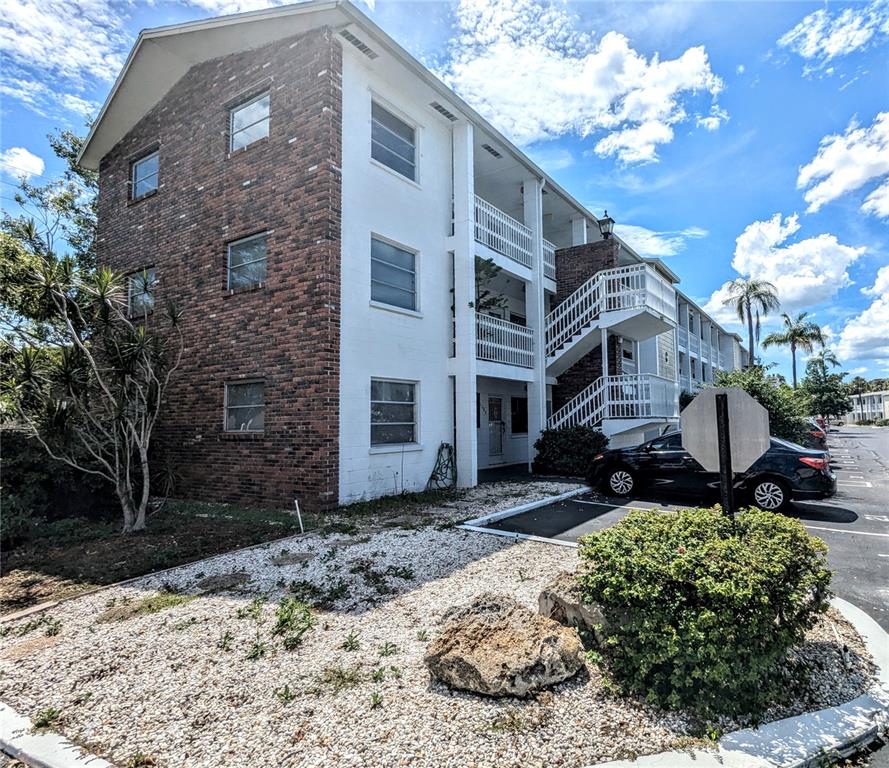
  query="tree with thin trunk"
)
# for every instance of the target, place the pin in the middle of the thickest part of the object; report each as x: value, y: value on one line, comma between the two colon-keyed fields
x: 752, y: 300
x: 799, y: 333
x: 859, y: 385
x: 92, y: 396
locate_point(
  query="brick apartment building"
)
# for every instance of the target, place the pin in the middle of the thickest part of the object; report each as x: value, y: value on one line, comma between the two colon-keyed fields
x: 315, y: 200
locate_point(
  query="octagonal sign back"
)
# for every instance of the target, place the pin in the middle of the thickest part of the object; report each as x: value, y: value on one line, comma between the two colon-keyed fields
x: 748, y: 428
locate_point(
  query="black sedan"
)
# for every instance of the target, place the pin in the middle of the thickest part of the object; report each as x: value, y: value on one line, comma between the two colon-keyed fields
x: 786, y: 471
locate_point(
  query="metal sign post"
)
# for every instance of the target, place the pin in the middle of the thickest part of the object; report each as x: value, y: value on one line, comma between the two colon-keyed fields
x: 723, y: 437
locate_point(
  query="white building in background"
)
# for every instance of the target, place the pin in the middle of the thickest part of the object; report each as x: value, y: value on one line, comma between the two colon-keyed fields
x: 869, y: 406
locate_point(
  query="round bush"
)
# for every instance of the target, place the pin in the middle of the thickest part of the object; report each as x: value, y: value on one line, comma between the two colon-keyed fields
x: 567, y: 451
x: 697, y: 614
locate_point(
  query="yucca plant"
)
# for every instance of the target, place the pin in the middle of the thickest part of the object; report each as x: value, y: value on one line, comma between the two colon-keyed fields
x: 93, y: 398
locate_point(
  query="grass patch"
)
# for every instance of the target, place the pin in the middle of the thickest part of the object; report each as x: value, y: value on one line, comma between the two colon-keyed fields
x: 337, y: 678
x: 144, y: 607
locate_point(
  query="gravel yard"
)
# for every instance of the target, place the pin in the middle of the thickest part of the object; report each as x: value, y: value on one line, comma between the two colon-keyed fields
x: 197, y: 676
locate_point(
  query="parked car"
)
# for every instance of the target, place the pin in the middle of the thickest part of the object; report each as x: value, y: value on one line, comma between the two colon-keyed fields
x: 817, y: 437
x: 786, y: 471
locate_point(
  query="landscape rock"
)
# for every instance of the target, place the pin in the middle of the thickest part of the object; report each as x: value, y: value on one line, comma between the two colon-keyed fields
x: 561, y: 601
x: 497, y: 647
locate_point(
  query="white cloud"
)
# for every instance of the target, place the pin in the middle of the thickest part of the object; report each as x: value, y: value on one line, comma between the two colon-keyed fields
x: 848, y: 161
x: 19, y: 163
x: 805, y: 273
x: 716, y: 118
x: 505, y: 51
x: 45, y: 101
x: 740, y: 69
x: 824, y: 35
x: 73, y: 40
x: 866, y: 336
x: 651, y: 243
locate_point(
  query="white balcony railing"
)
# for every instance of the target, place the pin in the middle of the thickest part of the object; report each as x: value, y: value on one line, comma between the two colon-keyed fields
x: 549, y: 260
x: 637, y: 286
x: 634, y: 396
x: 502, y: 233
x: 503, y: 342
x: 683, y: 337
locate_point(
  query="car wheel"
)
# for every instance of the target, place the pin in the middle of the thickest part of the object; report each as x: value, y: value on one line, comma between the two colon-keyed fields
x: 770, y: 495
x: 620, y: 481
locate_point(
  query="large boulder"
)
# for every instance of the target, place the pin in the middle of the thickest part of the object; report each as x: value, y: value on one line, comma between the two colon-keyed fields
x: 561, y: 601
x: 497, y: 647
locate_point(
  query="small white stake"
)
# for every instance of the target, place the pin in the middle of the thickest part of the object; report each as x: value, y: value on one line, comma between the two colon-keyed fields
x: 299, y: 516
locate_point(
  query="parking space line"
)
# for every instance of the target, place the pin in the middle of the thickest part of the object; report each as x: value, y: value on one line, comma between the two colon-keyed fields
x: 855, y: 484
x: 843, y: 530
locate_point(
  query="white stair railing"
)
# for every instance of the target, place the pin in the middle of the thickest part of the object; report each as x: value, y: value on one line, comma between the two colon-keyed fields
x: 607, y: 291
x: 585, y: 408
x: 630, y: 396
x: 502, y: 233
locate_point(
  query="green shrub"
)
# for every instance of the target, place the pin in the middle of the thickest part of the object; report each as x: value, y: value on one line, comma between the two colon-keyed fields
x: 864, y: 422
x: 568, y: 451
x: 37, y: 489
x: 685, y: 398
x: 697, y: 615
x: 882, y: 422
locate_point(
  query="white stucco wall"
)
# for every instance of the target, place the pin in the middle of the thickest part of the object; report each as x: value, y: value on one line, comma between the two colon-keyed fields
x: 376, y: 342
x: 515, y: 445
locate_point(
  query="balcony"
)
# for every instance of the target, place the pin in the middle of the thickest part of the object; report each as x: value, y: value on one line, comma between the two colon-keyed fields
x: 500, y: 341
x: 502, y: 233
x: 683, y: 337
x: 549, y: 260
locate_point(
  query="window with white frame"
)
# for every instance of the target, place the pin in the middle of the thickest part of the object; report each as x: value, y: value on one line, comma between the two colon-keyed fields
x: 143, y: 175
x: 140, y: 291
x: 249, y: 122
x: 393, y: 274
x: 393, y: 412
x: 245, y: 406
x: 247, y: 261
x: 393, y: 142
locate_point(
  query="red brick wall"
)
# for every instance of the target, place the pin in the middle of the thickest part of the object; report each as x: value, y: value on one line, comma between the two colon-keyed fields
x: 574, y: 266
x: 285, y: 332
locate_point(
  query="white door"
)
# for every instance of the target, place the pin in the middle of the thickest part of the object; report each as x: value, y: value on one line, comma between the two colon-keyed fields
x: 495, y: 426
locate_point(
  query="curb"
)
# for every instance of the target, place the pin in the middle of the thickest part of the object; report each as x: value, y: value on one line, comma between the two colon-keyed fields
x: 804, y: 741
x: 41, y: 749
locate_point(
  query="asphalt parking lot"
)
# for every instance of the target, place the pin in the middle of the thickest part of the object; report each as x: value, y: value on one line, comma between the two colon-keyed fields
x: 854, y: 523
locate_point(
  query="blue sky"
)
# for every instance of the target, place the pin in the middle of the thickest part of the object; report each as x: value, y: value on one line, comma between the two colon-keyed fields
x: 727, y: 138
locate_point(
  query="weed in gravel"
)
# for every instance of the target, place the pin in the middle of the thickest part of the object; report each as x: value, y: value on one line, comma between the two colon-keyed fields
x: 371, y: 577
x: 337, y: 678
x: 401, y: 571
x: 224, y: 643
x: 292, y: 620
x: 395, y: 672
x: 522, y: 574
x: 512, y: 719
x: 328, y: 555
x: 185, y: 624
x: 388, y: 649
x: 51, y: 627
x: 257, y: 651
x: 285, y: 694
x: 145, y: 606
x: 422, y: 635
x: 253, y: 610
x: 351, y: 642
x: 141, y: 760
x: 376, y: 700
x: 47, y: 718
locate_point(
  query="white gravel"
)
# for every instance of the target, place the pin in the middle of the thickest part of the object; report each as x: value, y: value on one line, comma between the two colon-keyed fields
x: 160, y: 684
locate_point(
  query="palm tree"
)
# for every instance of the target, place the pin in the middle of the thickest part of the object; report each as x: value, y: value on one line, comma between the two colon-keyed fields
x: 798, y: 333
x: 827, y: 357
x: 752, y: 298
x: 859, y: 385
